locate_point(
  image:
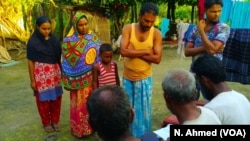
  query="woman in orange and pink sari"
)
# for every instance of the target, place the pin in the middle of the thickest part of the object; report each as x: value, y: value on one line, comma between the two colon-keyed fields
x: 79, y: 54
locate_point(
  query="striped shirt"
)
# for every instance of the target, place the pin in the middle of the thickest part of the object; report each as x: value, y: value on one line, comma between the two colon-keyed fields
x: 106, y: 77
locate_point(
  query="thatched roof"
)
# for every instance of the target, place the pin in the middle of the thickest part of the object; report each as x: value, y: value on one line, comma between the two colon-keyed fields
x: 14, y: 36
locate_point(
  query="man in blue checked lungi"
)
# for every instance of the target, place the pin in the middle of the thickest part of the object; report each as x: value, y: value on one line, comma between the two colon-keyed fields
x: 141, y: 45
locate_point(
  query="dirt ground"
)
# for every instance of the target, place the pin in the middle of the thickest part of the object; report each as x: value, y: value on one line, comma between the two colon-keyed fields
x: 20, y: 121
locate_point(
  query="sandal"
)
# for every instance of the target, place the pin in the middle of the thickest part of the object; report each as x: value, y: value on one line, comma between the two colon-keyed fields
x: 52, y: 137
x: 49, y: 129
x: 56, y: 127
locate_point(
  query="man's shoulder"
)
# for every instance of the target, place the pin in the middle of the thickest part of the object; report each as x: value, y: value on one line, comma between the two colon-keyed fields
x: 128, y: 25
x: 222, y: 25
x: 157, y: 30
x: 224, y: 99
x: 157, y: 33
x: 239, y: 94
x: 206, y: 111
x: 127, y: 28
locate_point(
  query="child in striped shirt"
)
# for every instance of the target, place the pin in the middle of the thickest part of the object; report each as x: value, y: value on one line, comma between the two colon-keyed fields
x: 105, y: 72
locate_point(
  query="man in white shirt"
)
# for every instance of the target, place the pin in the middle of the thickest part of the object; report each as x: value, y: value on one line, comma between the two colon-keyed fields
x: 180, y: 97
x: 179, y: 91
x: 230, y: 106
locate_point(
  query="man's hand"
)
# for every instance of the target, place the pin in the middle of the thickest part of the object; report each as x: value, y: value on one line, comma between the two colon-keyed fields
x: 148, y: 51
x: 201, y: 25
x: 130, y: 46
x: 220, y: 49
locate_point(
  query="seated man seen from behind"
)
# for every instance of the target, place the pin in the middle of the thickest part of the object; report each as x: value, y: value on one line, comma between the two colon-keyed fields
x: 229, y: 105
x: 110, y: 114
x: 179, y: 92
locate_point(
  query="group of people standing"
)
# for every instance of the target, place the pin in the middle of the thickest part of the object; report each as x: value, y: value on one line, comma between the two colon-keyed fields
x: 82, y: 64
x: 79, y: 65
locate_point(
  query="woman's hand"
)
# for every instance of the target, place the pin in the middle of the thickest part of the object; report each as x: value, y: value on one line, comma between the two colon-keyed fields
x: 33, y: 85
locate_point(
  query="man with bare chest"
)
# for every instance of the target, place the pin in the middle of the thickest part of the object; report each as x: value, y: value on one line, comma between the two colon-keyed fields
x: 141, y: 45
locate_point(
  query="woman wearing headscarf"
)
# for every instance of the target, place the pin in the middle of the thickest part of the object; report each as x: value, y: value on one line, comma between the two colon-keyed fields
x: 79, y: 54
x: 44, y: 53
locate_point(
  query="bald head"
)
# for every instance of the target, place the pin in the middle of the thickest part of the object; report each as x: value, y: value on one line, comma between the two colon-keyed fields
x: 109, y: 112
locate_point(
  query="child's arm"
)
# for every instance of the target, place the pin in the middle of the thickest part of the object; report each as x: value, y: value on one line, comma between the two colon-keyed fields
x: 117, y: 75
x: 95, y: 72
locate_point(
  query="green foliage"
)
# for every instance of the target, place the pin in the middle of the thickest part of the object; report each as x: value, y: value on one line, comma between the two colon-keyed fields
x: 99, y: 2
x: 183, y: 12
x: 154, y: 1
x: 187, y: 2
x: 163, y: 10
x: 24, y: 1
x: 126, y: 2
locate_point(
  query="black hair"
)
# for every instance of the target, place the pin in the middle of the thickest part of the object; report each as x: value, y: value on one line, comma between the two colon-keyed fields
x: 42, y: 19
x: 210, y: 67
x: 149, y: 7
x: 210, y: 3
x: 105, y: 47
x: 109, y: 112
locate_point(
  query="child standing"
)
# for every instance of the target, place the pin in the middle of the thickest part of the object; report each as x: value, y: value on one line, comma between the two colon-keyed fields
x: 105, y: 72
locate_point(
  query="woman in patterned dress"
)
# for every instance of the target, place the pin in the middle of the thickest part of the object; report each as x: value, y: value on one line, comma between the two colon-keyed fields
x: 80, y: 53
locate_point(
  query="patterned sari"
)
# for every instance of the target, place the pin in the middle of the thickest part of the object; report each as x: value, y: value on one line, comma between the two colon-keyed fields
x: 79, y: 55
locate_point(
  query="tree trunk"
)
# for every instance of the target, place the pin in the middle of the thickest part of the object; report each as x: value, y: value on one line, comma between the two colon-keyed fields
x: 60, y: 20
x: 171, y: 17
x: 133, y: 13
x: 24, y: 17
x: 45, y: 9
x: 39, y: 10
x: 168, y: 12
x: 173, y: 11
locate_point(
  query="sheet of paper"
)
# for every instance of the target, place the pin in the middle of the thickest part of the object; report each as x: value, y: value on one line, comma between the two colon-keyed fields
x: 164, y: 132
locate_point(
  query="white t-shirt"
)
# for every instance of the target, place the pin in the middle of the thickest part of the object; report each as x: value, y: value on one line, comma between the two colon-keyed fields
x: 206, y: 117
x: 231, y: 107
